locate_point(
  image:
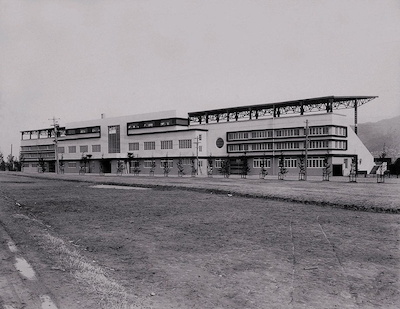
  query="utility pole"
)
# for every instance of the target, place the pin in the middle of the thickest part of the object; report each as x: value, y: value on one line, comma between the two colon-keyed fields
x: 197, y: 154
x: 55, y: 125
x: 306, y: 151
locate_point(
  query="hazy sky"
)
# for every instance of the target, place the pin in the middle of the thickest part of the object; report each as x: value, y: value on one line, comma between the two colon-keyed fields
x: 76, y: 59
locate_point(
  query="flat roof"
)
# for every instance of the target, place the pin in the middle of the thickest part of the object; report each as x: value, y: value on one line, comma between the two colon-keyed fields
x: 303, y: 102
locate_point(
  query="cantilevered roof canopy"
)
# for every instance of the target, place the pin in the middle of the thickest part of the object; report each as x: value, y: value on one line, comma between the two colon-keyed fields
x: 327, y: 104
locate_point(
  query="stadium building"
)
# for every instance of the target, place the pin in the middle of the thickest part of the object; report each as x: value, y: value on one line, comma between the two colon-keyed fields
x: 245, y: 138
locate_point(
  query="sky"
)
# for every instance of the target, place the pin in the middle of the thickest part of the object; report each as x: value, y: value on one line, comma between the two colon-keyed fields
x: 74, y: 60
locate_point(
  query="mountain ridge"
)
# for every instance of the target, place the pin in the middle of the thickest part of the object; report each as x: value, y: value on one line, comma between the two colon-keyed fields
x: 383, y: 135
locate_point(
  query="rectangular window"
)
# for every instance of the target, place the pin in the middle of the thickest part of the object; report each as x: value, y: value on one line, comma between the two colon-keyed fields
x: 261, y: 146
x: 149, y: 163
x: 166, y: 144
x: 261, y: 162
x: 287, y: 132
x: 170, y: 163
x: 290, y: 162
x: 61, y: 150
x: 149, y: 124
x: 287, y: 145
x: 232, y: 136
x: 26, y: 135
x: 34, y: 135
x: 83, y: 148
x: 200, y: 148
x: 318, y: 131
x: 318, y: 144
x: 218, y: 163
x: 43, y: 134
x: 346, y: 163
x: 185, y: 143
x: 149, y: 145
x: 166, y: 122
x: 237, y: 147
x: 315, y: 162
x: 340, y: 145
x: 71, y: 164
x: 133, y: 125
x: 342, y: 131
x: 200, y: 137
x: 261, y: 134
x: 133, y: 146
x: 96, y: 148
x: 114, y: 141
x: 187, y: 161
x: 72, y: 149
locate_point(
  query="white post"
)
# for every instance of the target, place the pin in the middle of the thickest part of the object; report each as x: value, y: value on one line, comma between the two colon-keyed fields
x: 306, y: 151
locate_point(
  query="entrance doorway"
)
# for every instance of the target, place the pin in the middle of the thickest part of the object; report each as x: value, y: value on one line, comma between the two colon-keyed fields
x: 52, y: 166
x: 337, y: 170
x: 105, y: 166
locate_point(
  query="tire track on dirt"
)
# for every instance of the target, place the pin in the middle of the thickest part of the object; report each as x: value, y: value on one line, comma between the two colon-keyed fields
x: 20, y: 286
x: 350, y: 293
x: 293, y: 264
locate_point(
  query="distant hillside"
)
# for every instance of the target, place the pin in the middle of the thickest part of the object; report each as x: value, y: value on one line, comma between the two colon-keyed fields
x: 376, y: 135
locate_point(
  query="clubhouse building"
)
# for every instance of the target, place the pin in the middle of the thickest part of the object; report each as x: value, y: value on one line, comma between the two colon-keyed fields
x: 266, y: 136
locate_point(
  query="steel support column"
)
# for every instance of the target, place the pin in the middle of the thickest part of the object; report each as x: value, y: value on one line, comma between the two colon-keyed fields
x: 355, y: 116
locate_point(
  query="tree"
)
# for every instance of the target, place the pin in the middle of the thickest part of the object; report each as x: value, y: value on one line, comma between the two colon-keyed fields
x: 226, y: 167
x: 120, y: 167
x: 18, y: 163
x: 181, y: 168
x: 193, y: 166
x: 209, y: 166
x: 263, y: 167
x: 282, y: 169
x: 42, y: 165
x: 166, y: 167
x: 102, y: 165
x: 302, y: 167
x: 2, y: 163
x: 61, y: 165
x: 326, y: 170
x: 10, y: 162
x: 152, y: 167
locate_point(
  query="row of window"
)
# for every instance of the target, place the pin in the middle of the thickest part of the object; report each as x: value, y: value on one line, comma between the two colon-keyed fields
x: 157, y: 123
x: 316, y: 162
x: 287, y: 146
x: 37, y: 148
x: 318, y: 144
x: 287, y: 132
x: 87, y: 130
x: 318, y: 131
x: 313, y: 162
x: 183, y: 144
x: 292, y: 132
x: 41, y: 155
x: 82, y: 149
x: 41, y: 134
x: 168, y: 144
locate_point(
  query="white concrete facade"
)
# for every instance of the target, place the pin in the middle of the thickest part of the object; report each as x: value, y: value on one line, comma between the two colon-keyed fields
x: 165, y: 136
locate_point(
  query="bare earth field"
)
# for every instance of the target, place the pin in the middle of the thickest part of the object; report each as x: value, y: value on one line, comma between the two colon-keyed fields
x: 201, y: 243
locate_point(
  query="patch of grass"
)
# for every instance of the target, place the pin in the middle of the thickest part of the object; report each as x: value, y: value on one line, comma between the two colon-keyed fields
x: 110, y: 293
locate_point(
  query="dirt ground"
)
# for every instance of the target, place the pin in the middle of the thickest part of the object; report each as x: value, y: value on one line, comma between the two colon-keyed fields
x: 97, y: 246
